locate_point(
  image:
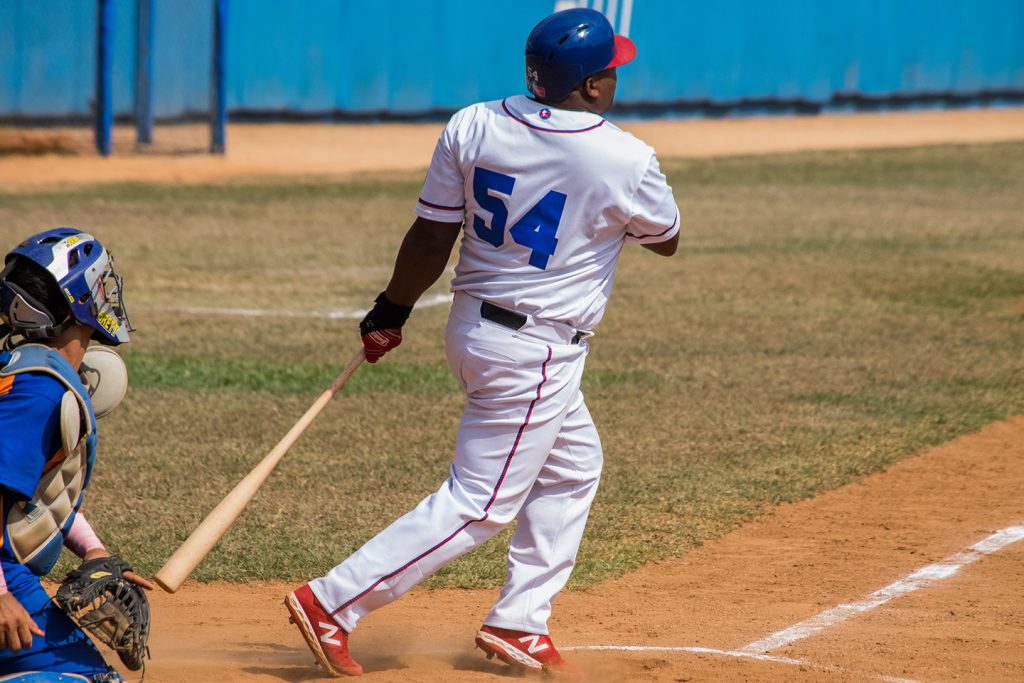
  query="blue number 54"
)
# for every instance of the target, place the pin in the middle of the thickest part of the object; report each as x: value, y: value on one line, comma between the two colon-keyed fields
x: 535, y: 230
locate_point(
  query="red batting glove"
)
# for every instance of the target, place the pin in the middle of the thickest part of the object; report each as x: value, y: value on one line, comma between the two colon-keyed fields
x: 378, y: 342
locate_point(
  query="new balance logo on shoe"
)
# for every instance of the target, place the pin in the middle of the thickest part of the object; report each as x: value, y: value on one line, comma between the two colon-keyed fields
x: 524, y: 651
x: 535, y: 644
x: 326, y: 639
x: 329, y: 631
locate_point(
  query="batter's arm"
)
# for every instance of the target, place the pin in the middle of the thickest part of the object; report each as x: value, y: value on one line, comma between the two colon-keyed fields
x: 666, y: 248
x: 421, y: 259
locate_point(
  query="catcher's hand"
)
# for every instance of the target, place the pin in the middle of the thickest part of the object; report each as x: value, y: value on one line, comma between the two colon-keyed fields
x: 16, y: 626
x: 103, y: 596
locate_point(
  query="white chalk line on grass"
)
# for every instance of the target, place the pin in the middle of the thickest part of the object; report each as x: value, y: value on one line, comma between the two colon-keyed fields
x: 922, y: 578
x: 356, y: 314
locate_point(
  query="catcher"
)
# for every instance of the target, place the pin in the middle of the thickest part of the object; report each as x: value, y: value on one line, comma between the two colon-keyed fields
x: 59, y: 291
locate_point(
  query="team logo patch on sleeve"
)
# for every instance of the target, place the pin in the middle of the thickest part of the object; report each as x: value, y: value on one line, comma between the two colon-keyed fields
x: 545, y: 114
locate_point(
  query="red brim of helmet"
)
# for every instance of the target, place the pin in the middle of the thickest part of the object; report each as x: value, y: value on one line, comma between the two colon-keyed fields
x: 625, y: 51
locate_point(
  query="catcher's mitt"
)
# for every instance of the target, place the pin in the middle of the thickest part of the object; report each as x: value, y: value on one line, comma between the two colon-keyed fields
x: 99, y: 599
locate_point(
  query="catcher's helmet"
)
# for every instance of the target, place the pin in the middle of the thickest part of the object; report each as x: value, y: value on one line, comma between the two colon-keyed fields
x: 84, y: 273
x: 568, y: 46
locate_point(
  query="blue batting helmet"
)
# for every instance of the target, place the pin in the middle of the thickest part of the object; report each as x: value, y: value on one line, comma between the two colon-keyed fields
x: 568, y: 46
x: 84, y: 273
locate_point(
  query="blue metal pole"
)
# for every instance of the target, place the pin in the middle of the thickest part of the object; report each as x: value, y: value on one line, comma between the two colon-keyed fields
x: 218, y: 79
x: 144, y: 72
x: 104, y: 68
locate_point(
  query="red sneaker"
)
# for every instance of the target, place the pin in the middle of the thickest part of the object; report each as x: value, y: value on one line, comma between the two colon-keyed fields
x: 526, y: 651
x: 327, y: 640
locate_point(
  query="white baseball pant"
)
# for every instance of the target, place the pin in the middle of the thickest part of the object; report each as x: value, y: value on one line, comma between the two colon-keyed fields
x: 526, y: 450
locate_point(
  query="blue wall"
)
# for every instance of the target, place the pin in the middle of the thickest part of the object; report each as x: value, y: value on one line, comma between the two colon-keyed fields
x: 417, y: 56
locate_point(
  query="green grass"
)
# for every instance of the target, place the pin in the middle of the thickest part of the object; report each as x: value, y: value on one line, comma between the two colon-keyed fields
x: 208, y: 373
x: 830, y: 313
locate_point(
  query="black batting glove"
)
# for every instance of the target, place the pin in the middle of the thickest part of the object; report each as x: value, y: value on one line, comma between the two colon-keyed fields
x: 381, y: 329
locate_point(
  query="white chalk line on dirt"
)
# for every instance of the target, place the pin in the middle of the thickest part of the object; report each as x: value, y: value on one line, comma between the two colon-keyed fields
x: 922, y: 578
x: 699, y: 650
x: 355, y: 314
x: 724, y: 653
x: 696, y: 650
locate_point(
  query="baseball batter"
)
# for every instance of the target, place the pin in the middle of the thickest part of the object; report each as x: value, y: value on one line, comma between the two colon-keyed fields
x: 544, y: 193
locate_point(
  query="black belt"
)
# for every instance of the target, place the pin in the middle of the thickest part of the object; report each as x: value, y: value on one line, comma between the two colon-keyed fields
x: 505, y: 318
x: 510, y: 319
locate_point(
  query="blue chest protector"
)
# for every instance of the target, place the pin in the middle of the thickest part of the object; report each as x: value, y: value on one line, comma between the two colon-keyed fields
x: 35, y: 529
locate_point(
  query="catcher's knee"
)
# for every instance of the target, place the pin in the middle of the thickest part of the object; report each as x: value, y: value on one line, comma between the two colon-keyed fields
x: 46, y: 677
x: 57, y: 677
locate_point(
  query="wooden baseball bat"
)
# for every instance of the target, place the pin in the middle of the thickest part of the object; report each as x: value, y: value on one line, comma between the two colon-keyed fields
x: 197, y: 546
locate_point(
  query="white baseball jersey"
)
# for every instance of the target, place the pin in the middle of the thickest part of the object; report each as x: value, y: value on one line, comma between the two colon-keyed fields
x: 549, y: 196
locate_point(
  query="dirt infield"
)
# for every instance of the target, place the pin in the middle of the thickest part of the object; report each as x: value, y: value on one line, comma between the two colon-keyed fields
x: 347, y: 149
x: 766, y: 576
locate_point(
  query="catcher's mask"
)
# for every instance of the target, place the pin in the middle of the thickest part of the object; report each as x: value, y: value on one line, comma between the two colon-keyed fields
x: 84, y: 273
